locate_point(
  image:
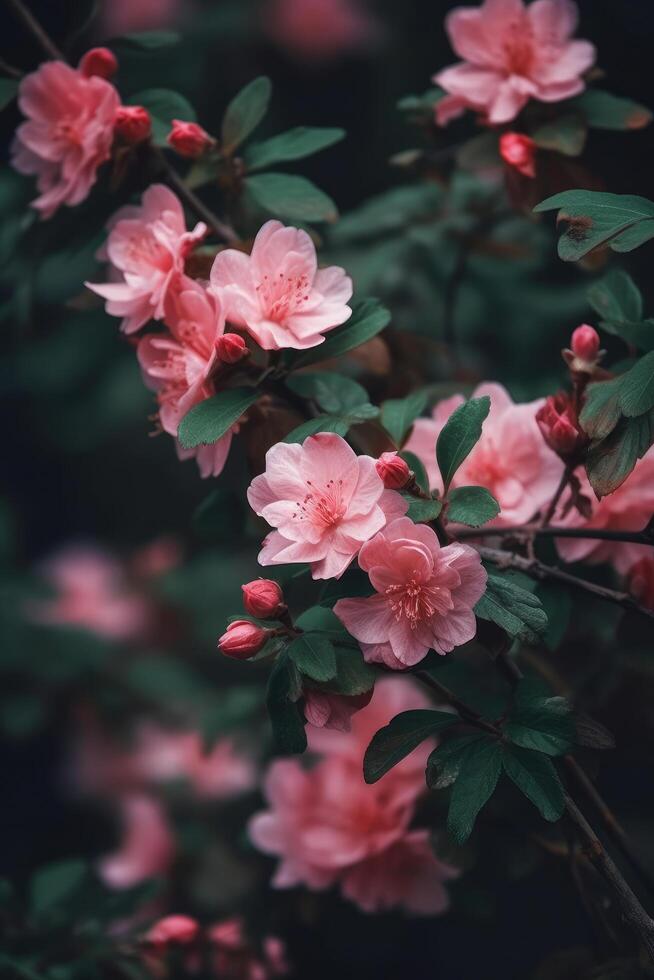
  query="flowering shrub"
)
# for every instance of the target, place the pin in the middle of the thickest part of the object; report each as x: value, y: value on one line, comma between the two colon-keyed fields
x: 461, y: 571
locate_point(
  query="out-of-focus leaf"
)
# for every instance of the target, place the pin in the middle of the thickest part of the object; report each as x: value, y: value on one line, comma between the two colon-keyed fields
x: 399, y: 414
x: 164, y: 105
x: 245, y: 112
x: 8, y: 90
x: 54, y: 885
x: 291, y: 197
x: 603, y: 110
x: 402, y: 735
x: 148, y: 40
x: 596, y: 218
x: 473, y: 506
x: 388, y: 212
x: 565, y: 134
x: 285, y: 715
x: 220, y: 516
x: 459, y: 435
x: 211, y: 419
x: 295, y: 144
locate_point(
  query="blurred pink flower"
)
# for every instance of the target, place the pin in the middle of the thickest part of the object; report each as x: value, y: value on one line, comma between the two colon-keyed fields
x: 318, y: 30
x: 324, y: 500
x: 235, y: 958
x: 147, y: 845
x: 512, y: 53
x: 278, y: 293
x: 334, y: 711
x: 147, y: 246
x: 511, y: 458
x: 641, y: 581
x: 425, y: 595
x: 127, y: 16
x: 68, y: 133
x: 629, y: 508
x: 92, y: 592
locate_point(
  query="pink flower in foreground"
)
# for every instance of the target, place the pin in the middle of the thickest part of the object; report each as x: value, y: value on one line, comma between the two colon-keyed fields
x: 324, y: 500
x: 147, y: 846
x: 512, y: 53
x: 318, y: 30
x: 278, y: 293
x: 629, y: 508
x: 147, y: 246
x: 425, y: 595
x: 68, y: 134
x: 510, y: 459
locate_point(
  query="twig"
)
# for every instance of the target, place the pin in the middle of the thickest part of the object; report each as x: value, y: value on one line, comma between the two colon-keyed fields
x: 565, y: 479
x: 464, y: 710
x: 538, y: 570
x: 530, y: 530
x: 220, y: 228
x: 33, y: 26
x: 10, y: 69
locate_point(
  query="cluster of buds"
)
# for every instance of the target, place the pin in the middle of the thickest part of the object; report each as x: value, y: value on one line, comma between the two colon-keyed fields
x: 188, y: 139
x: 559, y: 426
x: 584, y: 354
x: 243, y: 639
x: 393, y: 471
x: 519, y: 152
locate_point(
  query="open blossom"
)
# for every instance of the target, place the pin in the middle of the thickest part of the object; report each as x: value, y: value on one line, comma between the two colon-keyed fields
x: 324, y: 500
x: 278, y: 293
x: 425, y: 595
x: 510, y: 459
x: 146, y: 247
x: 629, y: 508
x: 512, y: 53
x: 319, y: 29
x: 147, y: 845
x: 68, y: 133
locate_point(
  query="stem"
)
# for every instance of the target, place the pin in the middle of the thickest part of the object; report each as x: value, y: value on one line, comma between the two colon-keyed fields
x: 33, y: 26
x: 464, y: 710
x: 538, y: 570
x: 220, y: 228
x: 565, y: 479
x: 10, y: 70
x: 596, y: 534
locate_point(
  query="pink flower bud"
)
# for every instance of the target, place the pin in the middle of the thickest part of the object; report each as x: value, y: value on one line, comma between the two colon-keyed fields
x: 99, y: 61
x: 393, y: 471
x: 133, y: 123
x: 231, y: 348
x: 188, y: 139
x: 173, y: 929
x: 519, y: 151
x: 242, y: 639
x: 263, y: 598
x: 557, y: 422
x: 585, y: 343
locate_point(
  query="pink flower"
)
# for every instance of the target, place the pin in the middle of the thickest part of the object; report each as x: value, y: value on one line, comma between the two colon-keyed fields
x: 641, y: 581
x: 629, y: 508
x: 278, y: 293
x: 68, y: 133
x: 173, y: 929
x: 126, y: 16
x: 147, y: 846
x: 519, y: 151
x: 98, y: 61
x: 133, y: 123
x: 324, y: 500
x: 425, y: 595
x: 92, y: 592
x: 147, y: 246
x: 512, y: 53
x: 511, y: 458
x: 235, y: 957
x: 333, y: 711
x: 318, y: 30
x: 188, y: 139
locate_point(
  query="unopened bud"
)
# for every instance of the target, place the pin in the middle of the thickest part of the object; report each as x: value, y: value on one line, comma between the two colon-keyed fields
x: 99, y: 61
x: 231, y: 348
x: 180, y: 929
x: 263, y: 598
x: 585, y: 343
x: 558, y: 425
x: 133, y: 123
x: 242, y: 639
x: 519, y: 151
x: 393, y: 471
x: 188, y: 139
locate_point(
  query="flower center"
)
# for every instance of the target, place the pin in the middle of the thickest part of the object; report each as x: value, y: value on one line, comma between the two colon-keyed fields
x: 282, y: 295
x: 518, y: 50
x: 413, y: 600
x: 321, y: 507
x: 68, y: 131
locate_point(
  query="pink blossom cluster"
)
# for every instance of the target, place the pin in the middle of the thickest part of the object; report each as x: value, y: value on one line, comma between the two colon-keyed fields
x: 328, y: 827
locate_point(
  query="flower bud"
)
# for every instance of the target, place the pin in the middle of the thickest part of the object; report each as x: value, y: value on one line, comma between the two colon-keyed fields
x: 99, y: 61
x: 242, y: 639
x: 519, y: 151
x: 173, y: 929
x: 133, y: 123
x: 585, y: 343
x: 393, y: 471
x: 188, y: 139
x: 558, y: 424
x: 263, y: 598
x: 231, y: 348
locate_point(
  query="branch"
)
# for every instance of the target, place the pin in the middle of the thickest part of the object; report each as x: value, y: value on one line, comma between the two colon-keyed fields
x: 33, y: 26
x: 538, y: 570
x: 220, y: 228
x: 565, y: 479
x: 531, y: 530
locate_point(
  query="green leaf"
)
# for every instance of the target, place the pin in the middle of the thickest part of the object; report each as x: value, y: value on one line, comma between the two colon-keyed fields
x: 353, y: 675
x: 473, y: 506
x: 323, y: 423
x: 332, y: 392
x: 535, y: 776
x: 8, y: 91
x: 539, y: 721
x: 565, y: 134
x: 591, y: 734
x: 245, y: 112
x: 479, y: 770
x: 291, y: 197
x: 368, y: 318
x: 399, y: 414
x: 619, y: 302
x: 596, y: 218
x: 445, y: 761
x: 460, y: 433
x: 164, y: 105
x: 610, y: 461
x: 422, y: 511
x: 148, y: 40
x: 517, y: 611
x: 294, y: 144
x: 313, y: 654
x: 402, y: 735
x: 606, y: 111
x: 285, y: 715
x: 211, y: 419
x: 389, y: 212
x: 417, y: 468
x: 55, y: 884
x: 636, y: 389
x: 557, y: 602
x: 601, y: 411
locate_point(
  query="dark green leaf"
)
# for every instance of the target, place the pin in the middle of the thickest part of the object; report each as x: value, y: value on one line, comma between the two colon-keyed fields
x: 557, y: 602
x: 565, y: 134
x: 323, y: 423
x: 332, y: 392
x: 148, y: 40
x: 445, y: 761
x: 292, y: 145
x: 422, y: 511
x: 539, y: 721
x: 8, y: 90
x: 417, y: 468
x: 473, y: 506
x: 220, y: 516
x: 54, y: 885
x: 595, y: 218
x: 636, y: 388
x: 353, y: 675
x: 517, y: 611
x: 591, y: 734
x: 211, y: 419
x: 606, y: 111
x: 460, y: 433
x: 389, y: 212
x: 164, y: 105
x: 479, y: 771
x: 245, y: 112
x: 399, y: 414
x: 285, y: 715
x: 616, y: 297
x: 291, y: 197
x: 401, y: 736
x: 535, y: 776
x: 601, y: 411
x: 313, y: 654
x: 610, y: 461
x: 368, y: 318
